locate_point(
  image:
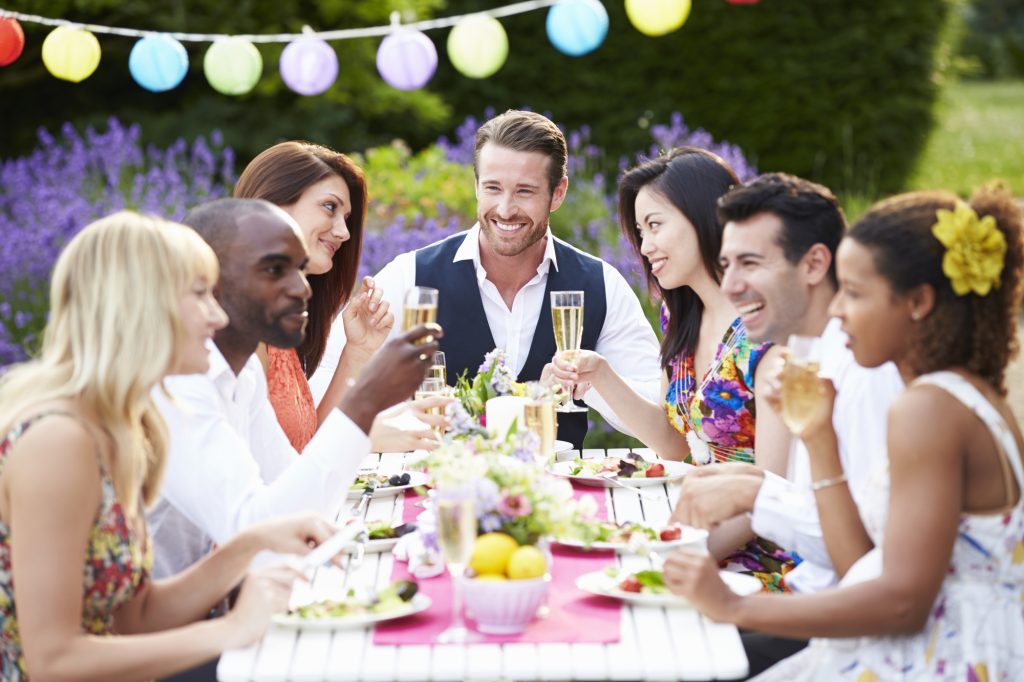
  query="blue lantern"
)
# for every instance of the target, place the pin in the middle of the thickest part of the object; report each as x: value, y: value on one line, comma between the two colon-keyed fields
x: 577, y: 27
x: 158, y: 63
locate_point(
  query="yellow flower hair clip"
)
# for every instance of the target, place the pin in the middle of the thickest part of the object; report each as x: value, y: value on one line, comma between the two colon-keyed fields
x: 975, y: 249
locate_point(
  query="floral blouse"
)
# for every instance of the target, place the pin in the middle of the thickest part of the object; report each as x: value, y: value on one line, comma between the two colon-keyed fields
x: 117, y: 565
x: 719, y: 411
x: 717, y: 416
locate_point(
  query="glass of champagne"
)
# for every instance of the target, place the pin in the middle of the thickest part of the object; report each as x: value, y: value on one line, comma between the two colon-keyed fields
x: 420, y: 307
x: 567, y: 320
x: 800, y: 387
x: 456, y: 533
x: 438, y: 369
x: 430, y: 388
x: 539, y: 418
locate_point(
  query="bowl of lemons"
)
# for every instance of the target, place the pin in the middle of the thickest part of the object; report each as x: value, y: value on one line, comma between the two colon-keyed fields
x: 506, y: 584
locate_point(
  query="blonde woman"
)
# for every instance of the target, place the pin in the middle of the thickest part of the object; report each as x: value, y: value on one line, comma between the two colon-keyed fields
x: 82, y: 452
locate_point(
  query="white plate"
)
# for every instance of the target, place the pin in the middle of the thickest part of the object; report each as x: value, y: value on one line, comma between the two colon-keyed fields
x: 690, y: 536
x: 415, y: 478
x: 604, y: 585
x: 673, y: 471
x: 562, y: 446
x: 420, y: 602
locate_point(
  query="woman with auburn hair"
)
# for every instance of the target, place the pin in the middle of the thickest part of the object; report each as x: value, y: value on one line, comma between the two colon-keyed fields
x: 82, y: 452
x: 933, y: 284
x: 325, y: 192
x: 667, y: 212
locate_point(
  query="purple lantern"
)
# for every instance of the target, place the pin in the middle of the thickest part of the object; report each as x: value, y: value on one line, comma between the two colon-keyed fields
x: 406, y: 59
x: 309, y: 65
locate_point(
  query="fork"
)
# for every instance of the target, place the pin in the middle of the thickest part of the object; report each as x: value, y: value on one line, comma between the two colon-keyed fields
x: 614, y: 481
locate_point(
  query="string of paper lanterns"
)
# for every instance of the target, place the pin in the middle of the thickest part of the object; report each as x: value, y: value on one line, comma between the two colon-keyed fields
x: 477, y: 46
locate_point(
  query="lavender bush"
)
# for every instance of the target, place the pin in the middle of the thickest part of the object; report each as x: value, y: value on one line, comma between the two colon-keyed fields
x: 66, y: 183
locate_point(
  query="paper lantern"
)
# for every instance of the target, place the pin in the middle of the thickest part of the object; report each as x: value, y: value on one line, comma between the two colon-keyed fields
x: 12, y: 41
x: 477, y: 46
x: 158, y: 63
x: 406, y: 59
x: 309, y: 65
x: 576, y: 27
x: 71, y: 54
x: 657, y: 17
x: 233, y: 66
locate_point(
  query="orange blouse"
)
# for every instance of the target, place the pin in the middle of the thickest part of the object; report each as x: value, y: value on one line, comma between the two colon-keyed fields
x: 290, y: 395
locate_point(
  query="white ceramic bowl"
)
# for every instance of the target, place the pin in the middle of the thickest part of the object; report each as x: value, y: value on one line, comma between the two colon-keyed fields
x: 504, y: 607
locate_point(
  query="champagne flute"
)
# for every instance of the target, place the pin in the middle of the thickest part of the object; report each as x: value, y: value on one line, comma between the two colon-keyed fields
x: 800, y: 386
x: 438, y: 368
x: 430, y: 388
x: 539, y: 418
x: 420, y: 307
x: 456, y: 533
x: 567, y: 321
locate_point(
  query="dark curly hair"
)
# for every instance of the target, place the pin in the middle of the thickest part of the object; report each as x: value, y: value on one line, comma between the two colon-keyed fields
x: 692, y: 179
x: 978, y: 333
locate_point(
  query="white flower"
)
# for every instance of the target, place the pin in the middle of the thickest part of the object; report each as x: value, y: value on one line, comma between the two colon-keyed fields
x: 700, y: 453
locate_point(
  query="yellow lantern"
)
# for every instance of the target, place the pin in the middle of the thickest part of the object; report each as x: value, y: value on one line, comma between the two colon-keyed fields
x: 71, y: 54
x: 233, y: 66
x: 478, y: 46
x: 657, y: 17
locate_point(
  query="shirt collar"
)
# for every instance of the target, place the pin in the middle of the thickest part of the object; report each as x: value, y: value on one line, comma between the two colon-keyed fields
x: 224, y: 378
x: 470, y: 250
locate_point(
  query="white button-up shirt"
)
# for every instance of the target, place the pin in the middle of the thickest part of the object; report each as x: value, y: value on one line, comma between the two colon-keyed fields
x: 230, y: 465
x: 785, y: 511
x: 626, y: 340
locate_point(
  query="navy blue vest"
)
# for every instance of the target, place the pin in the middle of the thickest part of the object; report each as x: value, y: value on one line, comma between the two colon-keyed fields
x: 460, y: 311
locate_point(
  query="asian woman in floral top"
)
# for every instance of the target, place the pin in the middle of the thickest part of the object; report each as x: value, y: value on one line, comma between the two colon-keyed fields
x: 81, y: 452
x: 667, y: 211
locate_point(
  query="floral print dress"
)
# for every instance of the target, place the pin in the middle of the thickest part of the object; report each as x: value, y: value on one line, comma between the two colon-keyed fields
x: 975, y: 631
x: 717, y: 417
x: 117, y: 565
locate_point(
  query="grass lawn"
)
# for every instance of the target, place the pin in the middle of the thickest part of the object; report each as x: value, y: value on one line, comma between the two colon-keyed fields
x: 979, y: 136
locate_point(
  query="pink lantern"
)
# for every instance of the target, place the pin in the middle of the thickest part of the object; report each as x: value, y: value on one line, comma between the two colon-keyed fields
x: 12, y: 41
x: 309, y: 65
x: 406, y: 59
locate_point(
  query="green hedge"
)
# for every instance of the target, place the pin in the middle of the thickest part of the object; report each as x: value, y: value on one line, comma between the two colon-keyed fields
x: 836, y: 90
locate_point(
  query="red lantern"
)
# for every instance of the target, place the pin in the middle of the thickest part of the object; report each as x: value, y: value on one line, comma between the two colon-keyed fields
x: 12, y: 41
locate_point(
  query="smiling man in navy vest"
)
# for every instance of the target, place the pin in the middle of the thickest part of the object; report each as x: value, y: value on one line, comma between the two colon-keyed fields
x: 495, y: 278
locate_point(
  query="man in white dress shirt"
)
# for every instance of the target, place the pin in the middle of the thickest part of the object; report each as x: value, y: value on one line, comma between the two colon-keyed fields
x: 778, y: 251
x: 230, y: 464
x: 495, y: 278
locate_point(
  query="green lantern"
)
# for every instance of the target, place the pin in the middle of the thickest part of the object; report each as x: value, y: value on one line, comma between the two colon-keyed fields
x: 233, y: 66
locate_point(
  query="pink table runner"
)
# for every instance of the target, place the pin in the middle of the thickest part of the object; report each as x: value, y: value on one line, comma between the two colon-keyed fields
x: 575, y: 617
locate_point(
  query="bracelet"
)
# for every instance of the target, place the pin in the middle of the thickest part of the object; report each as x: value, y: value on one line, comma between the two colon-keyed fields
x: 828, y: 482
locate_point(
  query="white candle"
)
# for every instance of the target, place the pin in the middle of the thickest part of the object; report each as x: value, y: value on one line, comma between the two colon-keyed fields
x: 502, y: 411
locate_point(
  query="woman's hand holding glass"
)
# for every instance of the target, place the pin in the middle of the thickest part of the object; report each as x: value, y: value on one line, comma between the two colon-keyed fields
x: 576, y: 372
x: 367, y: 318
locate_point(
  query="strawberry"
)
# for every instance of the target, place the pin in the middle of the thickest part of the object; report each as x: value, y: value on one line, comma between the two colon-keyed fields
x: 671, y: 533
x: 630, y: 584
x: 655, y: 471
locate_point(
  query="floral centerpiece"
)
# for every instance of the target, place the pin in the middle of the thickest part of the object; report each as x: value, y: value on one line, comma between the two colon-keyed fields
x: 493, y: 378
x: 517, y: 506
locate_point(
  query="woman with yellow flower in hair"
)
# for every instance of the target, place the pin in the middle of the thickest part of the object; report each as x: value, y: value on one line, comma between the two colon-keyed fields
x: 932, y: 284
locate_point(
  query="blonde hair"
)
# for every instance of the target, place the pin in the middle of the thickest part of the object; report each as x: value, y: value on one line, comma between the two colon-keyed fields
x: 114, y: 331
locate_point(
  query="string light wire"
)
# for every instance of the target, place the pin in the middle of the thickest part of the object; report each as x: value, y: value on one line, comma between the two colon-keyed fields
x: 340, y: 34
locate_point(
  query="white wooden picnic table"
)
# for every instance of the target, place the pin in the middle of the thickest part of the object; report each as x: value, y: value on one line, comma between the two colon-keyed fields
x: 656, y: 643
